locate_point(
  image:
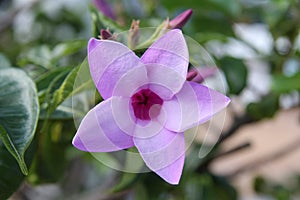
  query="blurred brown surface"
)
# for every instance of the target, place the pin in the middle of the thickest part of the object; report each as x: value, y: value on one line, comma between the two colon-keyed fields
x: 274, y: 151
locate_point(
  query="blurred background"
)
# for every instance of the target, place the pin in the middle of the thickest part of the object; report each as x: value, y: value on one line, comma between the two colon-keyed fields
x: 256, y: 47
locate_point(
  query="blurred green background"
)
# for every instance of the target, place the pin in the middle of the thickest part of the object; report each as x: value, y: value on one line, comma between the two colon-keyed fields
x: 254, y: 43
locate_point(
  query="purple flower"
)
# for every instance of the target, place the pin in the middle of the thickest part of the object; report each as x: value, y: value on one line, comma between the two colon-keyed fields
x: 104, y: 7
x: 147, y: 103
x: 180, y: 20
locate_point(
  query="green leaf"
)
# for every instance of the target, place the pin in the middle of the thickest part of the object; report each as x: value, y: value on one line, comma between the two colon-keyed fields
x: 40, y: 56
x: 229, y: 7
x: 260, y: 185
x: 70, y: 87
x: 53, y: 86
x: 8, y: 143
x: 10, y: 176
x: 44, y: 80
x: 63, y: 49
x: 19, y: 111
x: 72, y: 107
x: 235, y: 73
x: 209, y: 187
x: 284, y: 84
x: 51, y: 160
x: 47, y: 58
x: 266, y: 108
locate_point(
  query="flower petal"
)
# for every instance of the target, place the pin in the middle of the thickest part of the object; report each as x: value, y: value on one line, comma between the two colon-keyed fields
x: 133, y: 80
x: 172, y: 173
x: 192, y: 105
x: 98, y: 131
x: 171, y: 51
x: 163, y: 154
x: 164, y: 81
x: 109, y: 61
x: 123, y: 114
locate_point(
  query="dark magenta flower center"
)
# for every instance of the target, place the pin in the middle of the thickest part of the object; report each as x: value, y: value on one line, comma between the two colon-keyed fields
x: 143, y: 104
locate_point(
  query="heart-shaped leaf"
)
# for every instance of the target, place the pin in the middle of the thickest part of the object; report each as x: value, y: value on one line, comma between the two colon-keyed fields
x: 19, y: 110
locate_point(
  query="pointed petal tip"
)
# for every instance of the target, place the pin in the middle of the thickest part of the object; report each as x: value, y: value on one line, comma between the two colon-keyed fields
x: 93, y: 42
x: 172, y: 181
x: 221, y: 101
x: 76, y: 142
x: 189, y: 11
x: 173, y: 172
x: 227, y: 101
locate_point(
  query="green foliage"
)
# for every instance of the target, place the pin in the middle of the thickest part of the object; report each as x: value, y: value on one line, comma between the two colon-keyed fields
x: 231, y: 7
x: 55, y: 138
x: 235, y: 72
x: 69, y: 87
x: 19, y: 112
x: 39, y: 56
x: 265, y: 108
x: 11, y: 177
x: 18, y: 119
x: 210, y: 16
x: 43, y: 81
x: 48, y: 58
x: 210, y: 187
x: 53, y: 87
x: 193, y: 187
x: 276, y: 190
x: 64, y: 49
x: 284, y: 84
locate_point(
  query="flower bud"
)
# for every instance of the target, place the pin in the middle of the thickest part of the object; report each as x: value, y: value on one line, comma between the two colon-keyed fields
x: 200, y: 74
x: 134, y: 34
x: 104, y: 7
x: 105, y: 34
x: 180, y: 20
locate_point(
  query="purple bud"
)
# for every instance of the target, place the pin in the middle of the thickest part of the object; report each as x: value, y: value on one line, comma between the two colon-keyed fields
x: 191, y: 75
x: 105, y: 34
x: 199, y: 74
x: 104, y: 7
x: 180, y: 20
